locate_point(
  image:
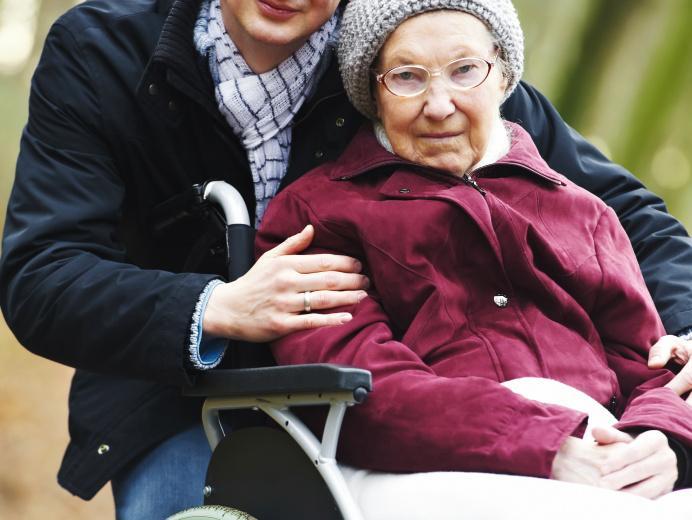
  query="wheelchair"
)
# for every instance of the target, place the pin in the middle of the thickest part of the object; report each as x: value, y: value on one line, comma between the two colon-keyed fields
x: 270, y: 472
x: 283, y: 471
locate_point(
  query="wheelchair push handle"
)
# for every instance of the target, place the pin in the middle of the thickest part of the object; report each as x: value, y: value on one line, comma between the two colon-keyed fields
x: 229, y: 200
x: 240, y: 235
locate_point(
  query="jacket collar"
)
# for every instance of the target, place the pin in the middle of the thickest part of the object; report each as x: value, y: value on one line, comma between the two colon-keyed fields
x: 176, y: 58
x: 186, y: 69
x: 175, y: 46
x: 365, y: 154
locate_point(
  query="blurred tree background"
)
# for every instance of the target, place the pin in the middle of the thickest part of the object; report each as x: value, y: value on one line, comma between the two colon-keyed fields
x: 620, y: 72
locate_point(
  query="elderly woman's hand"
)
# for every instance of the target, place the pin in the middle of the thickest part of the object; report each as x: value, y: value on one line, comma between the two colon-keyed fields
x: 269, y: 301
x: 679, y: 350
x: 644, y: 465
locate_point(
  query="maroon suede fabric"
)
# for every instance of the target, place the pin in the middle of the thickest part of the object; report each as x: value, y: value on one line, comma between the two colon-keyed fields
x: 438, y: 252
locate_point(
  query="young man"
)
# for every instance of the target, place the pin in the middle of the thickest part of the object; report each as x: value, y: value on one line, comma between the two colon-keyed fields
x: 131, y: 104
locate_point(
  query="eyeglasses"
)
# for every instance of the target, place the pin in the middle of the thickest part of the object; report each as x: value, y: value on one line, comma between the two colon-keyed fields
x: 412, y: 80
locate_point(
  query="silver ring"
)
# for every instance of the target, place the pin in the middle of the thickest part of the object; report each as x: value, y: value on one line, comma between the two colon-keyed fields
x: 306, y: 301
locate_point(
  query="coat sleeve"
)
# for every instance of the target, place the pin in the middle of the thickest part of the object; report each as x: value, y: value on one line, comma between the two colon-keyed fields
x: 623, y: 294
x: 415, y: 420
x: 662, y: 246
x: 67, y: 290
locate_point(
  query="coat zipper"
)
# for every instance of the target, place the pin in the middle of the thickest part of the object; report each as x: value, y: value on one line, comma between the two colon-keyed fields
x: 470, y: 181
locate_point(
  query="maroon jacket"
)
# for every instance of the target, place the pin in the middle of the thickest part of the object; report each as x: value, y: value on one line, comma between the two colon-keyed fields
x: 523, y: 274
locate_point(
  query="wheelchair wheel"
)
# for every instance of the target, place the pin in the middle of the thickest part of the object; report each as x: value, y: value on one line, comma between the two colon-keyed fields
x: 211, y: 513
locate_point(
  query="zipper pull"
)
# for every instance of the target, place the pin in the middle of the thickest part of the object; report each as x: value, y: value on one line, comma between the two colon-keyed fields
x: 470, y: 181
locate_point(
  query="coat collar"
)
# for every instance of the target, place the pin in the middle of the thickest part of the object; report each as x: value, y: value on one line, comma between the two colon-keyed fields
x: 365, y: 154
x: 185, y: 68
x: 176, y: 60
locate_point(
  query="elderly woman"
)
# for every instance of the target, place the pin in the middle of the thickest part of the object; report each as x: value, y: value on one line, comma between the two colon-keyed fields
x: 487, y: 266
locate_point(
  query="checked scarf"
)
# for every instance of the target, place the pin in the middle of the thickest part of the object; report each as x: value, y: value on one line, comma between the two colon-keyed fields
x: 260, y: 107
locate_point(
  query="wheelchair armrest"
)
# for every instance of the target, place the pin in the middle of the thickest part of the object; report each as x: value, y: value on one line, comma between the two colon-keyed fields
x: 291, y: 379
x: 275, y: 391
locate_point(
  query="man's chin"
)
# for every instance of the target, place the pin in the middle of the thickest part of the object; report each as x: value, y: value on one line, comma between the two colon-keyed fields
x: 278, y: 36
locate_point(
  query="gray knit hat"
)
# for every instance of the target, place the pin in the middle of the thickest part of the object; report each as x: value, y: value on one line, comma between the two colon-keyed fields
x: 366, y: 25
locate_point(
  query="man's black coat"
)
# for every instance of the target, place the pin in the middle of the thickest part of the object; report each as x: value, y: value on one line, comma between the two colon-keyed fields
x: 122, y: 118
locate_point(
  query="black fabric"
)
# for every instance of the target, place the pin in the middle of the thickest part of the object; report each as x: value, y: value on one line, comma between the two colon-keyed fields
x: 264, y: 472
x: 122, y: 118
x: 684, y: 456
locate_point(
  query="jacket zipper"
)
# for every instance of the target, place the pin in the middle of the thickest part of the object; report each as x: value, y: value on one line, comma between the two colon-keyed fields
x: 470, y: 181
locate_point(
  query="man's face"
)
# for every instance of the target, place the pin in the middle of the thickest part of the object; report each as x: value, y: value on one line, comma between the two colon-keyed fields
x: 282, y: 23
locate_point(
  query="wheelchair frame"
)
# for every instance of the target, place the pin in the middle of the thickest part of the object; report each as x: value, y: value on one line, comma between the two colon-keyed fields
x: 273, y: 390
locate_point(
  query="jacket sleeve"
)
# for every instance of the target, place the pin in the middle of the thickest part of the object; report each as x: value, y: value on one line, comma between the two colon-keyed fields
x: 415, y: 420
x: 66, y: 288
x: 623, y: 294
x: 662, y: 246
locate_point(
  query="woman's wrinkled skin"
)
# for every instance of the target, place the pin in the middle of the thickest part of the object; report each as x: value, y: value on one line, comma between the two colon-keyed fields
x: 443, y: 128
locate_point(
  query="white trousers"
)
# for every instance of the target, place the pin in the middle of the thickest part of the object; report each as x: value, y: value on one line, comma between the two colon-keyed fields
x: 481, y: 496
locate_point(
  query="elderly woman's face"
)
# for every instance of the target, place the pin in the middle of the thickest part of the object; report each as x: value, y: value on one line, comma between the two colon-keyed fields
x: 443, y: 127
